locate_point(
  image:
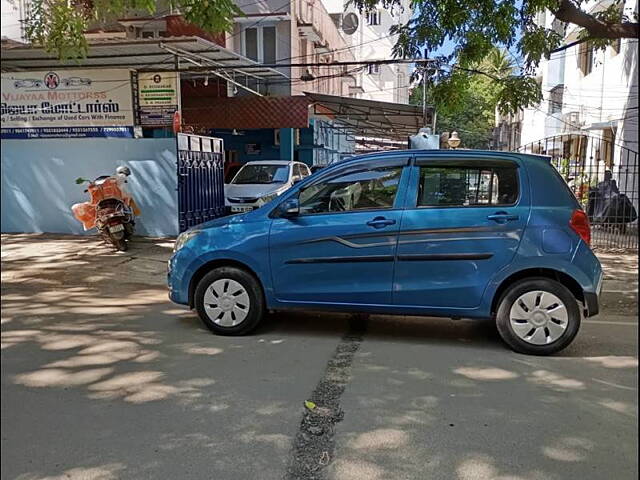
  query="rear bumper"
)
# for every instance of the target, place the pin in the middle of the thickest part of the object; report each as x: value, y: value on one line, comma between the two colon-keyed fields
x: 591, y: 303
x: 592, y: 299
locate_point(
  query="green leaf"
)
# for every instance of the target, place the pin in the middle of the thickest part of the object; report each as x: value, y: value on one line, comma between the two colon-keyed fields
x: 309, y: 404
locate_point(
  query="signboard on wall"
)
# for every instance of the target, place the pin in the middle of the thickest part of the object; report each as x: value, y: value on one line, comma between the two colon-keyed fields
x: 67, y: 103
x: 252, y: 148
x: 158, y: 98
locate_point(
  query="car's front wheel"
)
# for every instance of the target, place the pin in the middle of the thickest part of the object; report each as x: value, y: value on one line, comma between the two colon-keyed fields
x: 229, y: 301
x: 538, y: 316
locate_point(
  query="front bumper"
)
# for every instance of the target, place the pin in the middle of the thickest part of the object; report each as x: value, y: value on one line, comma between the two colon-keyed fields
x: 178, y: 292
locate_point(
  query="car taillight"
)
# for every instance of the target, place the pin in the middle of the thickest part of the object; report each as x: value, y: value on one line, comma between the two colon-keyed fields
x: 579, y: 223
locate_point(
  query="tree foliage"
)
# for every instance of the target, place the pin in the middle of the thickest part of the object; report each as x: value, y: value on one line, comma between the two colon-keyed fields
x: 467, y: 103
x: 58, y: 25
x: 475, y: 28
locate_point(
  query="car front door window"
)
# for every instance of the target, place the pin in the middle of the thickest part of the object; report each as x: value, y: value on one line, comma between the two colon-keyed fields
x: 363, y: 190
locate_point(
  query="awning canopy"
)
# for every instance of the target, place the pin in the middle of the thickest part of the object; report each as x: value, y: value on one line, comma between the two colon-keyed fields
x: 246, y: 112
x: 371, y: 118
x: 170, y: 53
x: 601, y: 125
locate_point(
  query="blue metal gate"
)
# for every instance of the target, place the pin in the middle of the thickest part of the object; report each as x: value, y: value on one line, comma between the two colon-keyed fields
x: 200, y: 179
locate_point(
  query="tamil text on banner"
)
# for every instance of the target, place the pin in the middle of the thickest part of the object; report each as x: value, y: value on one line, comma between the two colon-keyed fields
x: 67, y: 103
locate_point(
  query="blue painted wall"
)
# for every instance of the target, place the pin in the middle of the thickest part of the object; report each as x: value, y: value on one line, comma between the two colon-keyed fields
x: 320, y: 144
x: 264, y: 137
x: 38, y: 181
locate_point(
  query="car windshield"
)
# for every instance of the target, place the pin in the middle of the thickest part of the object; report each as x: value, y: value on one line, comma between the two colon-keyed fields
x: 262, y: 174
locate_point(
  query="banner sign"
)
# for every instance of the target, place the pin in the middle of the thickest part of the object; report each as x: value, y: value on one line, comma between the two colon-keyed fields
x: 158, y: 97
x: 67, y: 132
x: 67, y: 103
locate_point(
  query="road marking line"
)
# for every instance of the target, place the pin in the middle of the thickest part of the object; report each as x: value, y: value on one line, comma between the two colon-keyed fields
x: 611, y: 384
x: 603, y: 322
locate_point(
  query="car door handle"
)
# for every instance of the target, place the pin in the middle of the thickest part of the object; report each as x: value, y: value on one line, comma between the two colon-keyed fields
x: 502, y: 217
x: 380, y: 222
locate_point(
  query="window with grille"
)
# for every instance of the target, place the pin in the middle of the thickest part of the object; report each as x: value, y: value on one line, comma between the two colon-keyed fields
x: 373, y: 17
x: 373, y: 69
x: 586, y: 58
x: 260, y: 44
x: 555, y: 99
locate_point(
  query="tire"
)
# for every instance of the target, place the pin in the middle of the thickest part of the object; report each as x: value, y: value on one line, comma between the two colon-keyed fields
x: 128, y: 230
x: 121, y: 245
x: 538, y: 324
x: 241, y: 312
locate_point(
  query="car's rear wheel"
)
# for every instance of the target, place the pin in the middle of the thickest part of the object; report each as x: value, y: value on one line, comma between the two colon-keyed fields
x: 229, y: 301
x: 538, y: 316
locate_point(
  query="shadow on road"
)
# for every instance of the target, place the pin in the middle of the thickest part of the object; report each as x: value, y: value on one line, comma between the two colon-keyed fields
x: 89, y: 334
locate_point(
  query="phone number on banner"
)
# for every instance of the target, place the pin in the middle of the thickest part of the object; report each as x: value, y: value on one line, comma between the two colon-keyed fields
x: 66, y: 132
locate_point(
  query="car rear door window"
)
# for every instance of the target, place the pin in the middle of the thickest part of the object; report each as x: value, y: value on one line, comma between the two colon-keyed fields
x: 467, y: 186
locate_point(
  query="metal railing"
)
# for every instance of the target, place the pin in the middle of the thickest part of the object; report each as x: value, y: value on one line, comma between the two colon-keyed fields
x: 603, y: 176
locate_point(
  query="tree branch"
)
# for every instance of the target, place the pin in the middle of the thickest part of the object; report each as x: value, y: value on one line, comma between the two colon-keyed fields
x: 569, y: 12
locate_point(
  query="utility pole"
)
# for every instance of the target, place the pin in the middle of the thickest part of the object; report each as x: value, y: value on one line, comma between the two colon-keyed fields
x: 424, y: 90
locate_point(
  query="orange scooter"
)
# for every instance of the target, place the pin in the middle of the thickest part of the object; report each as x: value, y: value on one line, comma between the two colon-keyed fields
x: 111, y: 208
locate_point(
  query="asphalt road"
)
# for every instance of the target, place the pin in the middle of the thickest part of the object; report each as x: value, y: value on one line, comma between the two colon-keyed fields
x: 103, y: 378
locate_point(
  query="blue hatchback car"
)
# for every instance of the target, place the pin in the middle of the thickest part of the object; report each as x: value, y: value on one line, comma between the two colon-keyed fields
x: 447, y: 233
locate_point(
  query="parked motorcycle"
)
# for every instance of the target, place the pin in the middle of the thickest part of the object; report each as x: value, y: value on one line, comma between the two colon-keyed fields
x: 609, y: 208
x: 111, y: 208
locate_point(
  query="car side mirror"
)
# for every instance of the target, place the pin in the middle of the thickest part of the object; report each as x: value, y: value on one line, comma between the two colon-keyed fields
x: 290, y: 207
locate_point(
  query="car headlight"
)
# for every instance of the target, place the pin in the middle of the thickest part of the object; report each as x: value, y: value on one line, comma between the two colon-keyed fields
x: 184, y: 237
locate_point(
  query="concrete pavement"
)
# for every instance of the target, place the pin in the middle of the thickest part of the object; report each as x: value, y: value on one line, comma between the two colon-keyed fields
x: 103, y: 378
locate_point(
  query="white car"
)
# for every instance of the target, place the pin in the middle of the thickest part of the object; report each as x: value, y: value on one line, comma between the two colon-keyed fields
x: 257, y: 183
x: 27, y: 83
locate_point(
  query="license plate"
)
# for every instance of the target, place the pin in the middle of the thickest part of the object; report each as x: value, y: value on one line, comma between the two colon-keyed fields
x: 116, y: 228
x: 241, y: 209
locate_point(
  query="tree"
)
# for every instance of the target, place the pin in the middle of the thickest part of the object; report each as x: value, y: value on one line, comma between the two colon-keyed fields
x: 477, y: 27
x: 467, y: 103
x: 59, y: 25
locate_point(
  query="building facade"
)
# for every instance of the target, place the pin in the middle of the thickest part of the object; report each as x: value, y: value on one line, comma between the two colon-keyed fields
x: 11, y: 14
x: 263, y: 88
x: 367, y: 35
x: 586, y: 91
x: 294, y: 32
x: 588, y: 118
